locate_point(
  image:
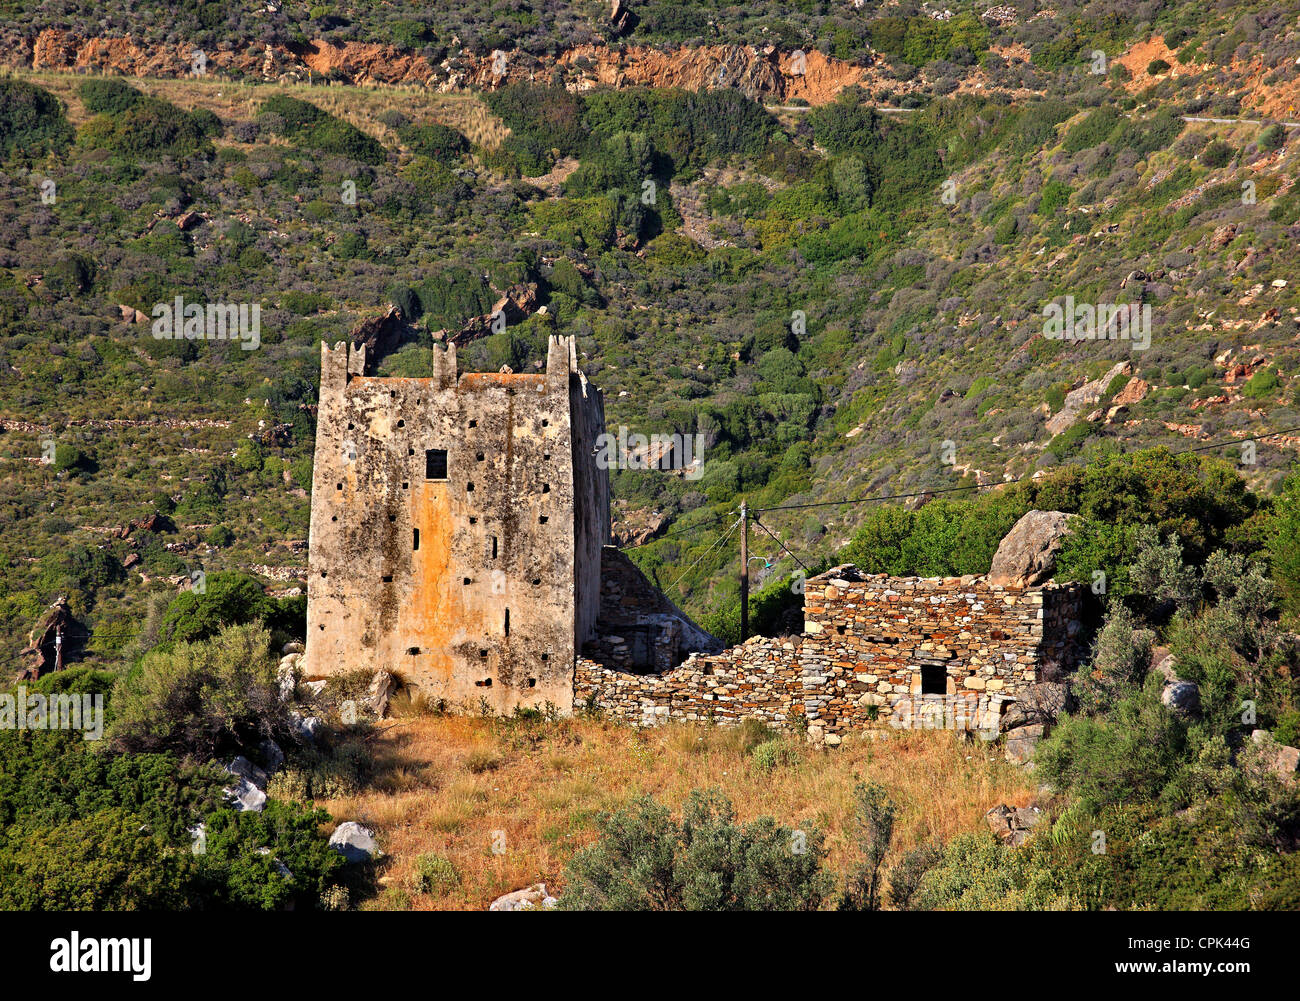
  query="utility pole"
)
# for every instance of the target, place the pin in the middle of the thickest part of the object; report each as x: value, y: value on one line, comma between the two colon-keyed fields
x: 744, y: 571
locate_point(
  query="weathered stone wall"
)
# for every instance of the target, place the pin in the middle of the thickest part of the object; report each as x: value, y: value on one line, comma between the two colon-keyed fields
x: 488, y: 605
x: 639, y: 629
x: 861, y: 660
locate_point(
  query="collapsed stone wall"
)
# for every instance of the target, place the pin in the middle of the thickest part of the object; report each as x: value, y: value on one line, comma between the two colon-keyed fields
x: 874, y: 652
x: 638, y: 628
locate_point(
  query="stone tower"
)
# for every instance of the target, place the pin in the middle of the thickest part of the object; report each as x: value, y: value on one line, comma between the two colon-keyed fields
x: 456, y: 528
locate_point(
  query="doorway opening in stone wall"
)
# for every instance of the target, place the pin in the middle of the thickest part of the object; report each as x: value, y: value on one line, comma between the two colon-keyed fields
x: 934, y: 679
x: 641, y: 642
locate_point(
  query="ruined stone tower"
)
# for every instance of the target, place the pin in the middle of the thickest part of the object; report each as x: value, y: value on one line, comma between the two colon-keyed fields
x: 456, y: 528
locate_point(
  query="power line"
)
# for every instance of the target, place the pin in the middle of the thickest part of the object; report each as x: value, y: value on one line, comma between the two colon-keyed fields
x: 723, y: 538
x: 783, y: 546
x: 1003, y: 483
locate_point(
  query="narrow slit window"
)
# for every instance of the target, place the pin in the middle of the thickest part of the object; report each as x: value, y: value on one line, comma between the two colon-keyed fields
x: 435, y: 463
x: 415, y: 540
x: 494, y: 547
x: 507, y: 622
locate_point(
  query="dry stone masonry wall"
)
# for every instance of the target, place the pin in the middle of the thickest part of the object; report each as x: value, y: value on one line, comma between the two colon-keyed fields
x: 875, y: 651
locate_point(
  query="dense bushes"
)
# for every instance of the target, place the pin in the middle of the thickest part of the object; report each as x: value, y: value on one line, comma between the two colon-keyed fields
x: 438, y: 142
x: 901, y: 157
x: 150, y: 126
x: 31, y: 120
x: 308, y: 126
x: 203, y: 699
x: 82, y: 829
x: 108, y: 96
x: 920, y: 40
x: 540, y: 119
x: 230, y: 598
x: 646, y: 860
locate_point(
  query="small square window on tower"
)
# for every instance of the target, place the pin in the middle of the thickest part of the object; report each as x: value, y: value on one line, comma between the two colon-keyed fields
x: 435, y: 463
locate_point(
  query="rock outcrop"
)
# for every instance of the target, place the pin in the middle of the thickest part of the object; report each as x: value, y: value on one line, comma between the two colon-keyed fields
x: 527, y: 899
x: 51, y: 641
x: 759, y: 73
x: 1281, y: 759
x: 1013, y: 825
x: 1078, y: 401
x: 1026, y: 557
x: 380, y: 335
x: 354, y: 842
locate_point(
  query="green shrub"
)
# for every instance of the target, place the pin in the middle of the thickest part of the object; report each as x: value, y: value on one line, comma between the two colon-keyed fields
x: 438, y: 142
x: 1284, y: 542
x: 31, y: 120
x: 1273, y: 137
x: 435, y: 874
x: 873, y: 830
x: 108, y: 96
x: 149, y: 127
x: 773, y: 754
x: 308, y: 126
x: 228, y: 598
x: 109, y: 861
x: 976, y: 873
x: 1216, y: 154
x: 1262, y: 383
x: 206, y: 698
x: 645, y: 860
x: 236, y: 871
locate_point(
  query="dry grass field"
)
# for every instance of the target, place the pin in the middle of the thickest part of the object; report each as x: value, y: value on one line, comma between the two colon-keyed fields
x: 447, y: 788
x: 361, y: 106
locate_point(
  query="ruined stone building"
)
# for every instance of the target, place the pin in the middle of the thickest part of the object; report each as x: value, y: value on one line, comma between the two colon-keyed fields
x: 987, y: 653
x: 457, y: 526
x: 459, y: 529
x: 875, y: 651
